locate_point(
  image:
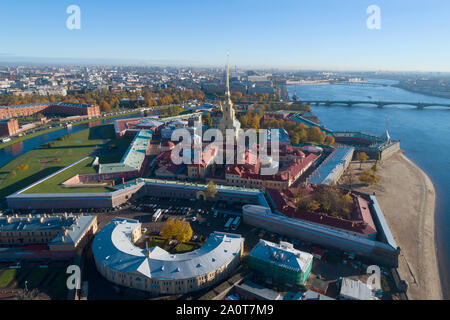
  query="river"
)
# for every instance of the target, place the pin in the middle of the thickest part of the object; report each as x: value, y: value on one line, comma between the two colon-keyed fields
x: 424, y: 135
x: 17, y: 149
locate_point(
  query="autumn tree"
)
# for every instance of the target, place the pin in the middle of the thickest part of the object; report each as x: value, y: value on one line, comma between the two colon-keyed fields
x: 168, y: 229
x: 368, y: 177
x: 180, y: 230
x: 326, y: 199
x: 104, y: 106
x: 361, y: 157
x: 313, y: 205
x: 207, y: 120
x: 316, y: 135
x: 210, y: 190
x: 174, y: 111
x: 184, y: 231
x: 329, y: 140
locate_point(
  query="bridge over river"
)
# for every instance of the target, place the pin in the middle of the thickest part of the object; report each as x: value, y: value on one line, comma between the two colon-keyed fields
x: 379, y: 104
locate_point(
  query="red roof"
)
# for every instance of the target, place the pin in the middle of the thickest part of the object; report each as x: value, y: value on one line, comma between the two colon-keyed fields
x: 124, y: 124
x: 361, y: 223
x: 291, y: 169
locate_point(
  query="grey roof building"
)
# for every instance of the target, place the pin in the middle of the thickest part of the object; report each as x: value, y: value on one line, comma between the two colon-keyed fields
x: 158, y: 271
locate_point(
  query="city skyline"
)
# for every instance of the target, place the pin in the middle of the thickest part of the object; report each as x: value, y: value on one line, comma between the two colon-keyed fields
x: 322, y: 36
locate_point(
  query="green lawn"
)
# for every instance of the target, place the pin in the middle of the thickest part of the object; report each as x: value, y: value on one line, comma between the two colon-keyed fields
x: 59, y: 286
x: 7, y: 276
x: 185, y: 247
x: 157, y: 242
x: 52, y: 185
x: 179, y: 248
x: 44, y: 161
x: 36, y: 277
x: 53, y: 279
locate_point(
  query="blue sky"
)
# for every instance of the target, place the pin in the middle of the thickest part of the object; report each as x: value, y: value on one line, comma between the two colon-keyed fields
x: 414, y: 34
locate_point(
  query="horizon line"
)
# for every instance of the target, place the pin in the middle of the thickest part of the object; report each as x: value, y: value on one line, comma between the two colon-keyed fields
x: 12, y: 59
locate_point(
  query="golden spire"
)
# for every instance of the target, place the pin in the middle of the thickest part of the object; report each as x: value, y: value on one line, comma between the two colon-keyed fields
x: 228, y: 75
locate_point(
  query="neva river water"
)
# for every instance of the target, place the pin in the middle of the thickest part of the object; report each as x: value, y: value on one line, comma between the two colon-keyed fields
x: 424, y: 135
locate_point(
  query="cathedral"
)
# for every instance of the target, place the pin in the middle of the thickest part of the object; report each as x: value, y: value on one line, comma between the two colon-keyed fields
x: 228, y: 117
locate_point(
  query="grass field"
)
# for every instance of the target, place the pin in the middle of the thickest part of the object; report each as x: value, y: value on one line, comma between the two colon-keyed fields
x: 179, y: 248
x: 6, y: 276
x: 42, y: 162
x: 52, y: 185
x: 185, y: 247
x: 50, y: 280
x: 157, y: 242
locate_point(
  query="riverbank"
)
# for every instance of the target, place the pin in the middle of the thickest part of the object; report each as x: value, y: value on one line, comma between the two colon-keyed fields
x: 407, y: 197
x: 426, y: 93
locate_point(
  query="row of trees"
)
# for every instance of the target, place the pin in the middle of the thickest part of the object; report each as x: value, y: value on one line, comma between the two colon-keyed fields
x: 367, y: 176
x: 110, y: 100
x: 237, y: 96
x: 298, y: 132
x: 174, y: 111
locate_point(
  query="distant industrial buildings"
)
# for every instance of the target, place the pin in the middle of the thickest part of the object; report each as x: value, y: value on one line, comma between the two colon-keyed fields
x: 156, y: 270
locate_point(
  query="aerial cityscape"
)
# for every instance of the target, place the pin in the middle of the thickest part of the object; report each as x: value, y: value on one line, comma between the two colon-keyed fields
x: 227, y: 172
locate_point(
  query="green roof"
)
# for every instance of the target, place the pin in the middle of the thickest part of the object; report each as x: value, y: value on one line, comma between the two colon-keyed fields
x: 134, y: 156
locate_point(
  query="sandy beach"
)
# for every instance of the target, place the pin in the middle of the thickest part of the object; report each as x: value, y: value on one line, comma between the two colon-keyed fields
x: 407, y: 198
